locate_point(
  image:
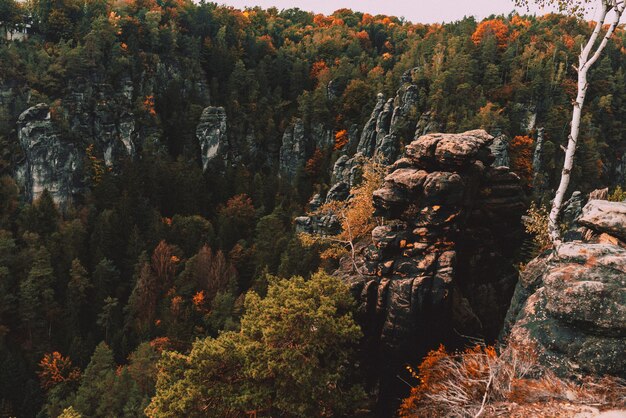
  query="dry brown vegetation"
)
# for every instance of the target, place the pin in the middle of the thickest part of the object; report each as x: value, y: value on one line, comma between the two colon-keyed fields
x: 480, y: 382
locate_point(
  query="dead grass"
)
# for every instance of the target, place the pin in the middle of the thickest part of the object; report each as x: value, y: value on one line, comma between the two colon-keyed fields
x: 479, y: 382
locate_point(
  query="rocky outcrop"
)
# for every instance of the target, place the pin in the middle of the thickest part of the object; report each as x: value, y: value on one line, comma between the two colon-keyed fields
x: 367, y: 143
x: 100, y: 114
x: 605, y: 217
x: 91, y: 113
x: 298, y: 145
x: 570, y: 306
x: 500, y: 150
x: 391, y: 122
x: 50, y: 162
x: 426, y: 124
x: 439, y: 268
x: 211, y: 134
x: 293, y: 151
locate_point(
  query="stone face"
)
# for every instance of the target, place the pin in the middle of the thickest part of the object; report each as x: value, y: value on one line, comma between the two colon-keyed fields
x: 92, y: 114
x: 439, y: 269
x: 409, y: 179
x: 211, y: 134
x: 339, y: 192
x: 572, y: 209
x: 293, y: 150
x: 605, y: 216
x: 426, y: 124
x: 50, y: 162
x: 570, y: 307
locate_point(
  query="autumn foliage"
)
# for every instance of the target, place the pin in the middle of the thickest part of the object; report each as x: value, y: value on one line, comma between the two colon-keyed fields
x: 317, y: 68
x: 355, y: 214
x: 521, y: 153
x: 341, y: 139
x: 314, y: 164
x: 55, y: 369
x: 495, y: 27
x: 479, y: 381
x: 148, y: 103
x: 164, y: 263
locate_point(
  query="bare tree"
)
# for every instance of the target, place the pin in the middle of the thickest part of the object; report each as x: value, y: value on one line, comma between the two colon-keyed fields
x: 609, y: 13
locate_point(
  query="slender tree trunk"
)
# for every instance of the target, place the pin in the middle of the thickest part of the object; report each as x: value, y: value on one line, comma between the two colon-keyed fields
x: 584, y: 63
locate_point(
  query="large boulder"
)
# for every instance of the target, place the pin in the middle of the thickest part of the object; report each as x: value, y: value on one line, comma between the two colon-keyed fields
x: 605, y: 216
x: 570, y: 305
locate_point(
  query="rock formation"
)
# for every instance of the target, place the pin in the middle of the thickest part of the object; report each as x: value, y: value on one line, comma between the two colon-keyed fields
x: 391, y: 122
x: 50, y: 162
x: 98, y: 114
x: 298, y: 144
x: 370, y: 131
x: 605, y: 218
x: 211, y: 134
x: 570, y: 306
x: 500, y: 150
x: 54, y: 148
x: 293, y: 151
x: 439, y: 268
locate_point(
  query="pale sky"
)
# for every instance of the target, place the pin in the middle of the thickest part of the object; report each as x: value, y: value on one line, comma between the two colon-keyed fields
x: 417, y: 11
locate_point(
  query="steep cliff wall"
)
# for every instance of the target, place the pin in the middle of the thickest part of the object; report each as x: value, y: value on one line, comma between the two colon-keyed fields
x: 50, y: 162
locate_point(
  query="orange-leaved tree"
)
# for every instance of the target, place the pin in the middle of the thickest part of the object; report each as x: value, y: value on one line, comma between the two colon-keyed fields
x: 521, y: 150
x: 355, y: 214
x: 341, y: 139
x: 54, y: 368
x: 495, y: 27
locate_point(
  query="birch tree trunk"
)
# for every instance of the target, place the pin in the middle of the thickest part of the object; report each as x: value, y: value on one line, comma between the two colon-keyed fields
x: 588, y: 56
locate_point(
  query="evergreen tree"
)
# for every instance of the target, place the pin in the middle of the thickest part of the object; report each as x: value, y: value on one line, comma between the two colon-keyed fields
x: 290, y: 359
x: 76, y: 297
x: 96, y: 380
x: 37, y: 306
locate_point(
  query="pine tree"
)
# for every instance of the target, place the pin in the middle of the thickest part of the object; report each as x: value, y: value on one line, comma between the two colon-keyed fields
x: 290, y: 359
x: 36, y: 298
x: 97, y: 379
x: 76, y: 296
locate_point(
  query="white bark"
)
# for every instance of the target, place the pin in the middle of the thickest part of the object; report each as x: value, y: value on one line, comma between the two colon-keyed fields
x: 584, y: 63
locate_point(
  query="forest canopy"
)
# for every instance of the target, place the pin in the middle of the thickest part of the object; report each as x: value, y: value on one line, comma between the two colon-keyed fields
x: 159, y: 256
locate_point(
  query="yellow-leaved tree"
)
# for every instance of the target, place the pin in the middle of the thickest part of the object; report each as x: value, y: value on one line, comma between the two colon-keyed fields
x: 355, y: 214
